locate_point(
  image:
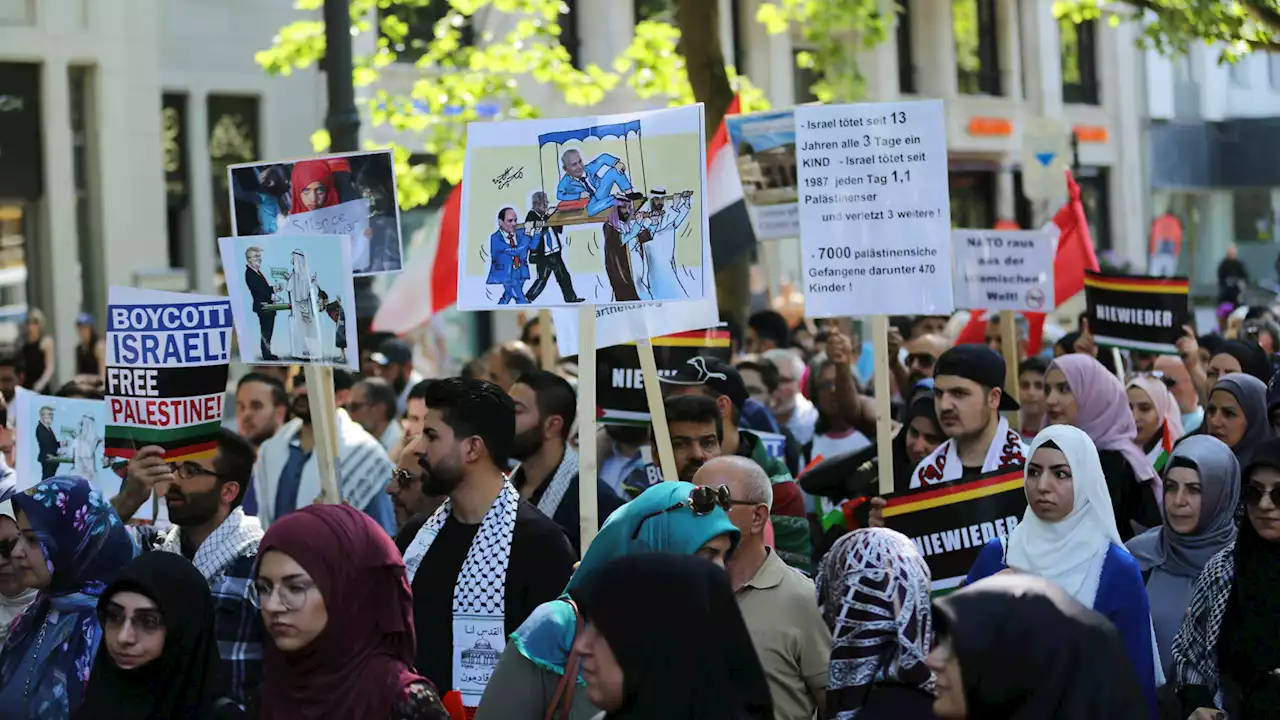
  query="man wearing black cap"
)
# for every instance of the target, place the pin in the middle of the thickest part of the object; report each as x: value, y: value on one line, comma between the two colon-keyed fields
x: 719, y: 380
x: 395, y: 358
x: 969, y: 391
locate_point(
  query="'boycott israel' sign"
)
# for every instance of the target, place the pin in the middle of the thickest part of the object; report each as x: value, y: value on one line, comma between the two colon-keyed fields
x: 950, y: 524
x: 166, y: 373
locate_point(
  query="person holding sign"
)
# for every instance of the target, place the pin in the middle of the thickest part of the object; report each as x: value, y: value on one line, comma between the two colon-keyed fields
x: 1068, y: 536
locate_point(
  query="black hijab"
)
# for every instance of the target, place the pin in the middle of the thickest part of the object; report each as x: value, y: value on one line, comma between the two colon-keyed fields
x: 1029, y: 651
x: 675, y: 628
x: 181, y: 684
x: 1254, y: 610
x: 1252, y: 358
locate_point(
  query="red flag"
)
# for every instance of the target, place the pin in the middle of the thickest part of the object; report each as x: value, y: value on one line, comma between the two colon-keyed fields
x: 444, y: 271
x: 1075, y: 255
x: 429, y: 282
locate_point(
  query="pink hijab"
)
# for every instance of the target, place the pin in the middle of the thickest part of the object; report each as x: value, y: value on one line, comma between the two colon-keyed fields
x: 1166, y: 406
x: 1102, y: 412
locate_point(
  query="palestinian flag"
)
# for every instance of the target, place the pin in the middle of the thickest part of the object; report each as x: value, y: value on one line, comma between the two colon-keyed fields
x: 731, y: 233
x: 185, y: 424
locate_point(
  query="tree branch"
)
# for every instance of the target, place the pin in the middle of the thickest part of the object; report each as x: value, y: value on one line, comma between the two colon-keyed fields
x: 699, y: 22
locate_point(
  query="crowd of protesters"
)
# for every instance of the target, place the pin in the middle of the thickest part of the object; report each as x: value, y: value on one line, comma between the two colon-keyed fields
x: 761, y: 582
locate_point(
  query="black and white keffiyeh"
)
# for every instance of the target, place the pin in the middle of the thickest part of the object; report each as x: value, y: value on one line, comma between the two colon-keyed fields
x: 237, y: 535
x: 549, y: 503
x: 874, y: 591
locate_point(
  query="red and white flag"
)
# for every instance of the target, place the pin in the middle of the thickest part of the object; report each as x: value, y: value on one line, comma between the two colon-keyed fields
x: 429, y: 281
x: 731, y: 233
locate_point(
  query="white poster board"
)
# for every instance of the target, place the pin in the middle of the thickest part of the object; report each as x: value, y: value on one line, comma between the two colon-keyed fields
x: 875, y: 215
x: 1004, y: 269
x: 348, y: 218
x: 764, y: 147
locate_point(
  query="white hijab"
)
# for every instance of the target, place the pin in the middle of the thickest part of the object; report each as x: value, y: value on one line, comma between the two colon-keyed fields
x: 1069, y: 552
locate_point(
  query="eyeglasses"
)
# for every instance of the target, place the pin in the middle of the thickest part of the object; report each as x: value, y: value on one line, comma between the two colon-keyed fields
x: 145, y: 622
x: 292, y: 595
x: 402, y: 477
x: 1253, y: 494
x: 188, y: 470
x: 703, y: 500
x: 7, y: 546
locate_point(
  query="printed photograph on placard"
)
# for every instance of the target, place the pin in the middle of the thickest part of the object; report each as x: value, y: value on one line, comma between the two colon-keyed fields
x: 765, y: 147
x: 599, y: 210
x: 291, y: 296
x: 63, y: 436
x: 345, y: 194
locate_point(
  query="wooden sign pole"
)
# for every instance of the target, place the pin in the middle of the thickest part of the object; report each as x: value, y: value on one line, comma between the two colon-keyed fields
x: 324, y: 423
x: 546, y: 341
x: 1009, y: 348
x: 657, y: 411
x: 884, y: 415
x: 587, y: 514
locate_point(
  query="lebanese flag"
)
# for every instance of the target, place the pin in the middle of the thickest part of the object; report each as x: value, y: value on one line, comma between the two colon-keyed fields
x: 731, y: 233
x: 429, y: 282
x: 1075, y: 255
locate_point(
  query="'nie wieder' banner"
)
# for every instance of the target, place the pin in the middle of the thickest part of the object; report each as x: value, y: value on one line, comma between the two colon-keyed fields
x: 951, y: 524
x: 620, y: 383
x: 1136, y: 312
x: 167, y: 356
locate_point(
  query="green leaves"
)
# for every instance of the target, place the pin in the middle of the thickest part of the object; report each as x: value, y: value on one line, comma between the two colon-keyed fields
x: 1171, y: 26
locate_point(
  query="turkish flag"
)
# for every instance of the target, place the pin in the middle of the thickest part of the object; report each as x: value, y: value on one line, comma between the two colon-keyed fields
x: 1075, y: 255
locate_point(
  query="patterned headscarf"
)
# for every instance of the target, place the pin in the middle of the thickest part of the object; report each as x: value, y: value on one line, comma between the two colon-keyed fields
x: 44, y: 666
x: 874, y: 591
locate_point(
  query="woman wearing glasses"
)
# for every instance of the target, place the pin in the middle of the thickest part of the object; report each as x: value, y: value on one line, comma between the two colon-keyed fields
x: 14, y: 596
x: 72, y: 546
x: 1226, y: 656
x: 670, y: 517
x: 332, y: 590
x: 161, y: 658
x: 1237, y: 414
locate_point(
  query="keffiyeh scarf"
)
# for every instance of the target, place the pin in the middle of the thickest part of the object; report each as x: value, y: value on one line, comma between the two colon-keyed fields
x: 236, y: 536
x: 479, y: 594
x: 551, y: 497
x: 943, y: 465
x: 874, y: 591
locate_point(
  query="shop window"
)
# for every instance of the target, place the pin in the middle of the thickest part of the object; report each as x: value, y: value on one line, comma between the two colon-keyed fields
x: 1079, y: 61
x: 973, y: 199
x: 1253, y: 214
x: 977, y: 46
x: 906, y: 49
x: 233, y: 138
x: 803, y: 79
x: 1094, y: 196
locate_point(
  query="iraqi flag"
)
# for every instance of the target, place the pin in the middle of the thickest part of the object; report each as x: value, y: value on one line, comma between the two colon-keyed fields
x: 731, y: 233
x: 429, y: 282
x: 1075, y: 255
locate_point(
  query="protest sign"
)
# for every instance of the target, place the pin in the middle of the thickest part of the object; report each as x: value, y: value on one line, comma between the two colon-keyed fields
x: 619, y: 324
x: 764, y: 145
x: 343, y: 194
x: 620, y: 381
x: 166, y: 371
x: 950, y: 524
x: 1136, y: 312
x: 302, y: 280
x: 1003, y: 269
x: 875, y: 215
x: 601, y: 210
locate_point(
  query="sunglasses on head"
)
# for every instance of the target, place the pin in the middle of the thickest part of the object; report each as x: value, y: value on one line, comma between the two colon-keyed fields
x: 703, y: 500
x: 1253, y: 494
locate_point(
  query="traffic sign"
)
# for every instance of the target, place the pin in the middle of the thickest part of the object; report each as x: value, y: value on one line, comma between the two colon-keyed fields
x: 1046, y: 154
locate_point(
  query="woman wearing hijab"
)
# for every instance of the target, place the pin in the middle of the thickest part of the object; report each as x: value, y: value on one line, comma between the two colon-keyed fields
x: 1201, y: 493
x: 874, y: 591
x: 1019, y: 648
x: 1156, y: 416
x: 1238, y: 356
x: 161, y: 660
x: 311, y: 187
x: 1237, y: 414
x: 639, y: 665
x: 1080, y: 392
x: 1068, y: 536
x: 332, y: 590
x: 1226, y: 654
x: 14, y: 595
x: 72, y: 546
x: 530, y: 671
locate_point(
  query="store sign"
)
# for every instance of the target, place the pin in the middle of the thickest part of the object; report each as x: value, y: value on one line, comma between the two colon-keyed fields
x: 173, y: 138
x: 21, y: 162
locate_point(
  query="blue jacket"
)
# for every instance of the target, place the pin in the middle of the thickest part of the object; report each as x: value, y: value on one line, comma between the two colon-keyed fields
x: 1121, y: 598
x: 571, y: 188
x: 502, y: 255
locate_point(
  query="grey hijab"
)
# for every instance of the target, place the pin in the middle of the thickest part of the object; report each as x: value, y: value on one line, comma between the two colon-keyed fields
x: 1174, y: 560
x: 1251, y: 393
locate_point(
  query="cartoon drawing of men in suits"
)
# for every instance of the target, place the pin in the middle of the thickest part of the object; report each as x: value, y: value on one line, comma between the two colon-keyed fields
x: 509, y: 258
x: 263, y: 294
x: 595, y: 180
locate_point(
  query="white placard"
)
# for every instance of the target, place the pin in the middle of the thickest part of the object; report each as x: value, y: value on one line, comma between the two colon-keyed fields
x: 348, y: 218
x: 875, y: 216
x: 620, y: 324
x: 1004, y: 269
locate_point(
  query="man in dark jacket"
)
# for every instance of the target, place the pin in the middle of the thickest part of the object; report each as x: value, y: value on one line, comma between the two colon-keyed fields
x: 47, y: 441
x: 263, y: 294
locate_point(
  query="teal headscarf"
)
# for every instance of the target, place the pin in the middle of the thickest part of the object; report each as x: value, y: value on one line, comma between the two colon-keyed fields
x: 547, y: 636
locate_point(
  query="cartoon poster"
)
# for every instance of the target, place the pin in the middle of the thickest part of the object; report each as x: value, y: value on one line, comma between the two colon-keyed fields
x: 168, y: 355
x: 600, y: 210
x: 292, y: 296
x: 765, y: 147
x: 65, y: 436
x: 345, y: 194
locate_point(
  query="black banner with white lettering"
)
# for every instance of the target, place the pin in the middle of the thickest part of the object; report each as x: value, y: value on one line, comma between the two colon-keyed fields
x: 1137, y: 312
x: 950, y: 524
x: 620, y: 383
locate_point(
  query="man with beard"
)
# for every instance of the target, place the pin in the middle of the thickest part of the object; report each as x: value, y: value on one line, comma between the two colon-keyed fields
x: 696, y: 428
x: 395, y: 358
x: 791, y: 408
x: 261, y: 407
x: 213, y: 532
x: 548, y: 474
x: 922, y: 352
x: 412, y: 505
x: 373, y: 405
x: 486, y: 559
x: 286, y: 476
